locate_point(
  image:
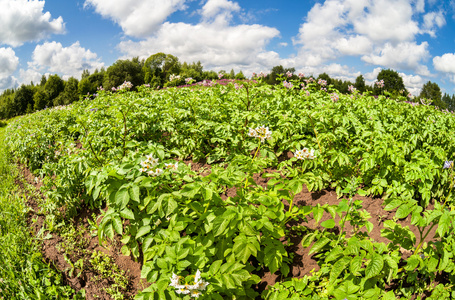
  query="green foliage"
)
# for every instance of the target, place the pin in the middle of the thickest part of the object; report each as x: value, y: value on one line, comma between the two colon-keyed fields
x: 158, y: 67
x: 431, y: 90
x: 23, y: 272
x: 129, y: 157
x: 23, y: 100
x: 69, y: 94
x: 107, y: 270
x: 41, y: 99
x: 124, y: 70
x: 393, y: 83
x: 360, y: 84
x: 53, y: 87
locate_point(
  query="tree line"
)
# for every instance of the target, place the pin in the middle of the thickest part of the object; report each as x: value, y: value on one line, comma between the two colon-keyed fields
x: 156, y: 71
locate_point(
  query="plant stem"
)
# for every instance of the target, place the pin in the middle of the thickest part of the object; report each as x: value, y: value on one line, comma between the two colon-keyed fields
x: 90, y: 144
x: 255, y: 154
x: 344, y: 219
x: 316, y: 133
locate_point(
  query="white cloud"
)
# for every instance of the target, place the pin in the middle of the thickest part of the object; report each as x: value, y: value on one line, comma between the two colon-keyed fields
x: 8, y: 64
x: 8, y: 83
x: 419, y: 5
x: 387, y: 20
x: 371, y: 77
x: 354, y: 45
x: 445, y: 63
x: 219, y: 11
x: 30, y: 75
x: 138, y: 18
x: 413, y: 83
x: 22, y: 21
x: 431, y: 21
x: 382, y: 32
x: 406, y: 55
x: 213, y: 45
x: 67, y: 61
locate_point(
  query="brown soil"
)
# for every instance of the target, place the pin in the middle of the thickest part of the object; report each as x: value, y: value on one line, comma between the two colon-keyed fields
x: 52, y: 247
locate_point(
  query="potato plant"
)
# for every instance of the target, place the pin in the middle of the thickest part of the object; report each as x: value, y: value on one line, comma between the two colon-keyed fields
x: 126, y: 151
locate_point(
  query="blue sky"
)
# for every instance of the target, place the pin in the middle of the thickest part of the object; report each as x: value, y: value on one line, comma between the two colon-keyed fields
x: 344, y: 38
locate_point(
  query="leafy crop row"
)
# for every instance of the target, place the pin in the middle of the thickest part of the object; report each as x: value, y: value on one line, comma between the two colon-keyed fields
x: 126, y: 151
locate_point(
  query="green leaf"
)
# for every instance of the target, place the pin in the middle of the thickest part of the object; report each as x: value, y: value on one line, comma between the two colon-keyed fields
x: 207, y: 193
x: 369, y: 226
x: 403, y: 211
x: 338, y: 268
x: 96, y: 192
x: 243, y: 251
x: 444, y: 223
x: 172, y: 205
x: 318, y: 211
x: 109, y: 230
x: 412, y: 262
x: 355, y: 265
x: 117, y: 224
x: 122, y: 197
x: 135, y: 193
x: 330, y: 223
x: 319, y: 245
x: 143, y: 231
x: 392, y: 204
x: 375, y: 266
x: 215, y: 267
x: 127, y: 214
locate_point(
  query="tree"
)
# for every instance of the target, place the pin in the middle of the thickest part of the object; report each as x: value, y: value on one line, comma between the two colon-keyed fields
x: 240, y: 75
x: 53, y: 87
x: 326, y: 77
x: 360, y: 84
x: 43, y: 81
x: 277, y: 71
x: 449, y: 101
x: 124, y: 70
x: 393, y: 83
x: 69, y: 94
x: 431, y: 90
x: 158, y: 67
x: 23, y: 100
x: 193, y: 70
x: 84, y: 87
x: 232, y: 74
x: 85, y: 74
x: 40, y: 99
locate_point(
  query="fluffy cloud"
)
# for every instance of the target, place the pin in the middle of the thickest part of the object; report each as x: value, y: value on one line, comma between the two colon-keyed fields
x: 382, y: 32
x: 445, y: 63
x: 413, y: 83
x: 68, y: 61
x: 138, y: 18
x: 219, y: 11
x: 387, y: 20
x: 30, y: 75
x: 407, y: 55
x: 8, y: 64
x: 22, y: 21
x: 354, y: 45
x: 215, y: 45
x: 431, y: 21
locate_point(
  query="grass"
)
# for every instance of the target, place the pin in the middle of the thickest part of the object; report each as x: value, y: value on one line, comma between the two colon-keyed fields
x: 23, y: 272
